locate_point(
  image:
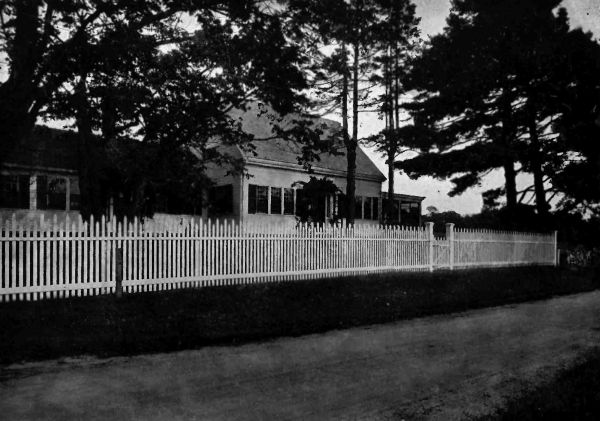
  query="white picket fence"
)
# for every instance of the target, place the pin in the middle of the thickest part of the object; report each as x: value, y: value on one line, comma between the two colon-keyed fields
x: 77, y: 258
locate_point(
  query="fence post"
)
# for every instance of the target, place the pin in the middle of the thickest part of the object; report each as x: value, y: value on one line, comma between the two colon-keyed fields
x: 450, y: 239
x: 555, y: 248
x: 429, y: 228
x: 119, y: 272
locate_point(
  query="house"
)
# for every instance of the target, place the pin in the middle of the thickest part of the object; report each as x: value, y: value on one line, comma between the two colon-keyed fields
x: 270, y: 193
x: 40, y: 177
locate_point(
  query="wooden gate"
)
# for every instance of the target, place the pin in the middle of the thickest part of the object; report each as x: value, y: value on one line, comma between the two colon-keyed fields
x: 441, y: 253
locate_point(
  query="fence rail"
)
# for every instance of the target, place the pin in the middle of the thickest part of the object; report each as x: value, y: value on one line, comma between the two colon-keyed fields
x: 77, y: 258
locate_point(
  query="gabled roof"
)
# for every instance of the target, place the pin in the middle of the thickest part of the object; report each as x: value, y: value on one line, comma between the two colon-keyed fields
x: 272, y: 151
x: 45, y: 147
x: 57, y: 149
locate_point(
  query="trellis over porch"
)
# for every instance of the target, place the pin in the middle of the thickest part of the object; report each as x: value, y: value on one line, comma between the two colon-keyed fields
x: 79, y: 258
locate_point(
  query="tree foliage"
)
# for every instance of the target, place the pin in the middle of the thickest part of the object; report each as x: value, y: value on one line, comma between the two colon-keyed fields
x: 131, y: 70
x: 492, y: 89
x: 507, y: 85
x: 313, y: 195
x: 398, y: 41
x: 356, y: 32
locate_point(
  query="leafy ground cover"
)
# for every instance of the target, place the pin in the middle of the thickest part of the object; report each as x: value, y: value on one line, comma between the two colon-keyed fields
x: 187, y: 319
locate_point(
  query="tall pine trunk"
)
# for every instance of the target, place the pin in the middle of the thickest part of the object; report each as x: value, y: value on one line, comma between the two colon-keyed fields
x: 389, y: 211
x: 541, y: 203
x: 395, y: 111
x: 352, y: 144
x: 349, y: 209
x: 396, y: 79
x: 535, y: 163
x: 510, y: 176
x: 390, y: 205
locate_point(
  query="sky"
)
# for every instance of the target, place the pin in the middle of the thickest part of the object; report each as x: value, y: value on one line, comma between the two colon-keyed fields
x: 582, y: 13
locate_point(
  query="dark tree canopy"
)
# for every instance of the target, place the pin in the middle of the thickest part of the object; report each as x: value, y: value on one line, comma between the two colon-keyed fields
x: 492, y: 89
x: 507, y: 85
x: 358, y: 31
x: 312, y: 196
x: 129, y: 70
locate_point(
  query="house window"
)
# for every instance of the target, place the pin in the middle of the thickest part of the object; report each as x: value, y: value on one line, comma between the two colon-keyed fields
x: 14, y: 191
x: 258, y: 199
x: 275, y: 201
x: 221, y: 199
x: 367, y: 208
x: 288, y: 201
x: 375, y: 214
x: 410, y: 213
x: 74, y: 195
x: 51, y: 192
x: 395, y: 210
x: 358, y: 207
x: 341, y: 205
x: 251, y: 198
x: 371, y: 209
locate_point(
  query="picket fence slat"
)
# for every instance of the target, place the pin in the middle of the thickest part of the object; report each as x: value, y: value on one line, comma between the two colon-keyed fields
x: 77, y: 258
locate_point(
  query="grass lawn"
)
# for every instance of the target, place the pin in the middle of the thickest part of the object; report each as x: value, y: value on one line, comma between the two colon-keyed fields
x: 185, y: 319
x: 574, y: 394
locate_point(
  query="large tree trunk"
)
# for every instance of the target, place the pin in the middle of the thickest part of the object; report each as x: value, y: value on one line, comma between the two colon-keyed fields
x: 390, y: 92
x: 16, y: 123
x: 506, y: 143
x: 92, y: 198
x: 396, y: 99
x: 388, y: 210
x: 541, y: 203
x: 510, y: 176
x: 351, y: 182
x: 390, y: 214
x: 17, y: 93
x: 346, y: 136
x: 353, y: 142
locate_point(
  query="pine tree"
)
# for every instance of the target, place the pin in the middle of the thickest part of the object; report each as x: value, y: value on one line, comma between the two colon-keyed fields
x: 356, y: 29
x: 491, y: 86
x: 399, y: 34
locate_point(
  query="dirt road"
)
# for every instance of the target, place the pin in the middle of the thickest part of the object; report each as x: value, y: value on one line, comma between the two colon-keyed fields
x: 444, y: 367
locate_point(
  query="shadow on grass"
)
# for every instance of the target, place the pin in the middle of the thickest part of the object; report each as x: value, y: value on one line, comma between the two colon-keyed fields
x: 186, y: 319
